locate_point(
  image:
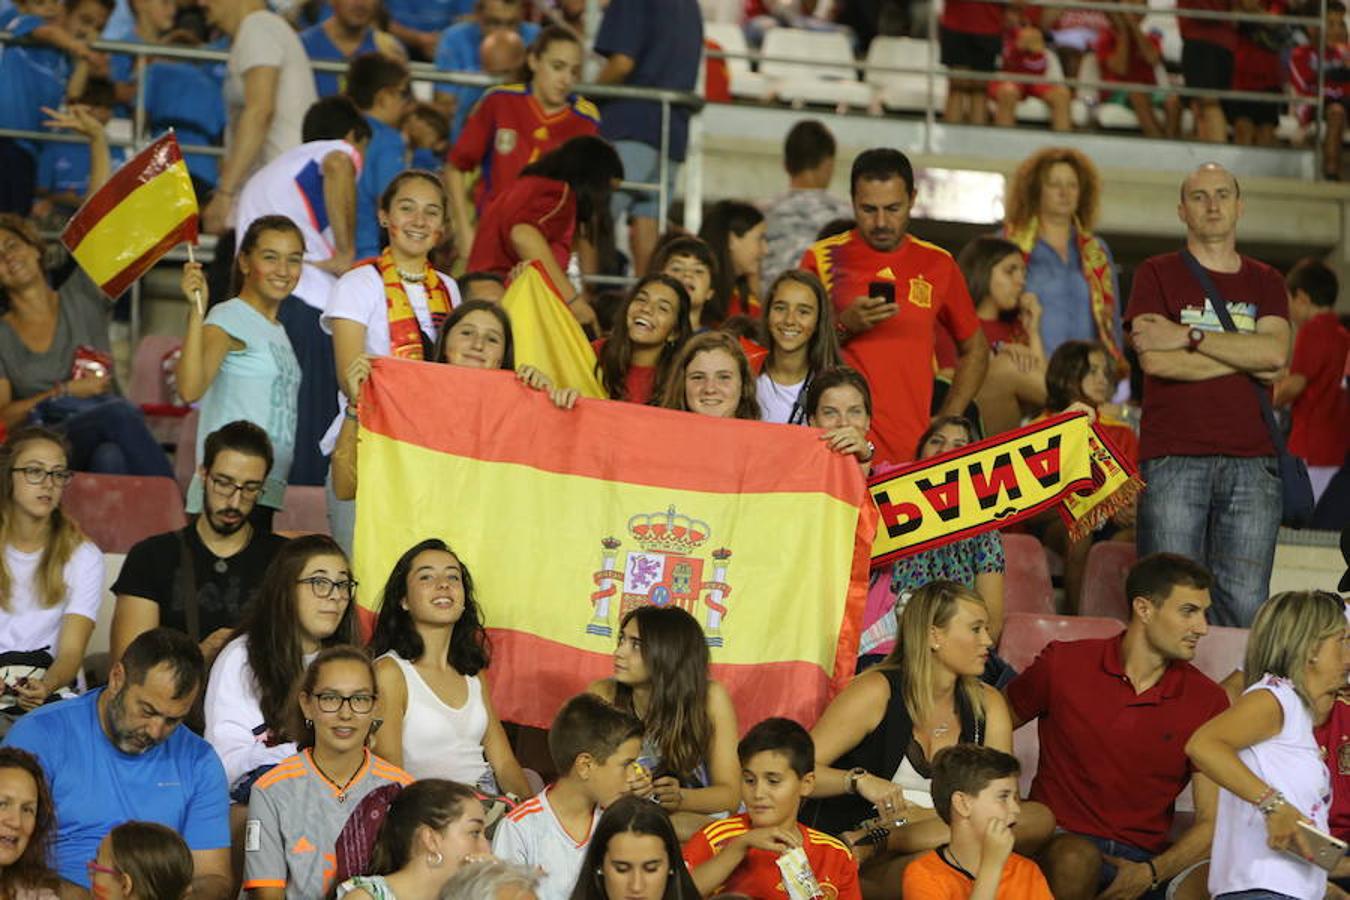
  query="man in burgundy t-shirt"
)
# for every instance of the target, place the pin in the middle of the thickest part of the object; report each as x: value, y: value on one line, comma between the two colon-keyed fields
x: 1213, y: 489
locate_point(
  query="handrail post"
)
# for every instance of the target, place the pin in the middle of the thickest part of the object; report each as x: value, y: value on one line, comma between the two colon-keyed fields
x: 930, y: 112
x: 663, y: 169
x: 1319, y: 121
x: 693, y: 174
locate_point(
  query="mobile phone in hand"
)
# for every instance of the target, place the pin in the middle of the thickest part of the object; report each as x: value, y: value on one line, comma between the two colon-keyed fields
x: 1327, y: 851
x: 883, y: 289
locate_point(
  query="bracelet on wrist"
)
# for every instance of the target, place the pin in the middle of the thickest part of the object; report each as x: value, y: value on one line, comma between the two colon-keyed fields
x: 351, y: 412
x: 1270, y: 801
x: 1153, y: 875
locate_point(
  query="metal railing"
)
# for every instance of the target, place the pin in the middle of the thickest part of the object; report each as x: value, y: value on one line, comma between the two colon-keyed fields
x: 419, y: 72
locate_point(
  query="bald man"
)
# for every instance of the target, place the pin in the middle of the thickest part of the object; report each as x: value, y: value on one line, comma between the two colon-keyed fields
x: 459, y: 51
x: 503, y: 55
x: 1214, y: 491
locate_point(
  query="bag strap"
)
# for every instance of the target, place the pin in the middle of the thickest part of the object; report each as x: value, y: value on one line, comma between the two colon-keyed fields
x: 1220, y: 305
x: 185, y: 585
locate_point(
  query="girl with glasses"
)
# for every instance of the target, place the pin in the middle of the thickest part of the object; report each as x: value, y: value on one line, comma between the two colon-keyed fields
x: 238, y: 361
x: 298, y: 809
x: 141, y: 861
x: 431, y: 652
x: 303, y: 605
x: 51, y: 576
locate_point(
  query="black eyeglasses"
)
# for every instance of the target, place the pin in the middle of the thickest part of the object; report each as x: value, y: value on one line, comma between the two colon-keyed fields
x: 36, y: 474
x: 323, y: 587
x: 228, y: 487
x: 331, y: 702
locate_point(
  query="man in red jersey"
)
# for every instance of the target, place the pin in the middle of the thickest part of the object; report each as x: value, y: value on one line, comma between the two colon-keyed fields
x: 890, y: 290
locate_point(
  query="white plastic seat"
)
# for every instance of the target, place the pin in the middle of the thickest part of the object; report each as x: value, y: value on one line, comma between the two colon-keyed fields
x: 744, y: 82
x: 833, y: 82
x: 904, y: 90
x: 1166, y: 27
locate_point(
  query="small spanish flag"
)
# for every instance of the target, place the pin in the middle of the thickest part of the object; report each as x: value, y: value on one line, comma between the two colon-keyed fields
x: 547, y: 335
x: 146, y: 207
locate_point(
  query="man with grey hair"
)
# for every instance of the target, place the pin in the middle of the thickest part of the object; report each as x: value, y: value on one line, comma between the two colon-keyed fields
x: 492, y: 880
x: 1214, y: 491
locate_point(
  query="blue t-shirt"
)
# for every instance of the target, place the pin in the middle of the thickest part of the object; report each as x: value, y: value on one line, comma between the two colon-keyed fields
x: 664, y: 38
x: 1065, y: 298
x: 320, y: 47
x: 426, y: 158
x: 386, y: 156
x: 31, y: 77
x: 427, y: 15
x: 458, y: 52
x: 179, y: 783
x: 187, y: 97
x: 65, y: 167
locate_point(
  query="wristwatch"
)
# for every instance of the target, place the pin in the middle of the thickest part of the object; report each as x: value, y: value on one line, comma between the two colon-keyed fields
x: 851, y: 779
x: 1193, y: 338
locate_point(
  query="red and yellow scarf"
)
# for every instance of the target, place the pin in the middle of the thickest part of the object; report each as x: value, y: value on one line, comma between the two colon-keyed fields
x: 406, y: 340
x: 1096, y: 271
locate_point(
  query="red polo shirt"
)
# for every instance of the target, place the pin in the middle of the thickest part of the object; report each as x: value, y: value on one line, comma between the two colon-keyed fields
x: 1321, y: 432
x: 1112, y: 761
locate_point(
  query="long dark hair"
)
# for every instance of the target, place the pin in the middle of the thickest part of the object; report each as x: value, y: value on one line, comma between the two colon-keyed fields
x: 590, y: 166
x: 633, y: 815
x: 30, y: 871
x: 727, y: 218
x: 675, y: 655
x: 616, y: 355
x: 433, y: 802
x: 470, y: 650
x: 468, y: 306
x: 256, y: 229
x: 823, y: 351
x: 300, y: 727
x: 977, y: 260
x: 154, y: 857
x: 1064, y: 374
x: 271, y: 625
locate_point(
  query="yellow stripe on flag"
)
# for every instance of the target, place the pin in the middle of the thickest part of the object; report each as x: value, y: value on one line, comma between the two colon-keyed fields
x: 547, y: 335
x: 129, y: 230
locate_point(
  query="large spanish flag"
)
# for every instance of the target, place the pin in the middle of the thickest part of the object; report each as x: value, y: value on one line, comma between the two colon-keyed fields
x: 566, y: 519
x: 146, y: 207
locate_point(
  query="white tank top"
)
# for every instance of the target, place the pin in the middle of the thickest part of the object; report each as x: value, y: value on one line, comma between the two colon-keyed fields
x: 440, y: 741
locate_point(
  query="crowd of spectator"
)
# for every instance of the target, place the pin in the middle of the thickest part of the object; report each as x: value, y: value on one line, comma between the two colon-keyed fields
x: 243, y: 739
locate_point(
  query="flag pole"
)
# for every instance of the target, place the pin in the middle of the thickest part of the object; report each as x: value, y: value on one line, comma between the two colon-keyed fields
x: 196, y: 292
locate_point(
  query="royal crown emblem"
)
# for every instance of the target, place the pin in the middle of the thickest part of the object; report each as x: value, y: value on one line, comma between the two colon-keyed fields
x: 666, y: 571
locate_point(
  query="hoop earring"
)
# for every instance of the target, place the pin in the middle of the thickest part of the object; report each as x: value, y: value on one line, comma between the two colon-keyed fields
x: 434, y: 859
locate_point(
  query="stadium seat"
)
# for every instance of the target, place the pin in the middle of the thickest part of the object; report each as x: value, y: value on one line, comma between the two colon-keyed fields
x: 148, y: 389
x: 1026, y: 634
x: 116, y: 511
x: 185, y: 453
x: 1166, y: 27
x: 305, y: 511
x: 1108, y: 563
x: 1026, y: 578
x: 827, y: 73
x: 744, y: 83
x: 904, y: 90
x: 1221, y: 651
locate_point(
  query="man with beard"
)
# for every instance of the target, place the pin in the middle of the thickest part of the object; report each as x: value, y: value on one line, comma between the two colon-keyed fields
x: 117, y: 754
x: 199, y: 579
x: 890, y: 292
x: 348, y: 33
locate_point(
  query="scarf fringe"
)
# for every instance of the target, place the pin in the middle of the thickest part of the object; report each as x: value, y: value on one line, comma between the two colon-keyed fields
x: 1098, y: 516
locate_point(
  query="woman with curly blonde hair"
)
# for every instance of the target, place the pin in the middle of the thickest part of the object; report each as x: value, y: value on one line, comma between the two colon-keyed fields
x: 1051, y: 207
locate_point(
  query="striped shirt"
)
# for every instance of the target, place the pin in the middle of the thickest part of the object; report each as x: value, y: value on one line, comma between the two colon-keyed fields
x: 532, y: 836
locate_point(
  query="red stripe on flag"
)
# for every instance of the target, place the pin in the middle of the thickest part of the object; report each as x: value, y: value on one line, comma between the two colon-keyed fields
x: 797, y: 690
x: 757, y: 457
x: 184, y: 231
x: 151, y: 162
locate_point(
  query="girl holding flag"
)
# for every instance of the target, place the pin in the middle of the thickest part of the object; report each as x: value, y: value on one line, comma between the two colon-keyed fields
x: 238, y: 360
x: 649, y: 330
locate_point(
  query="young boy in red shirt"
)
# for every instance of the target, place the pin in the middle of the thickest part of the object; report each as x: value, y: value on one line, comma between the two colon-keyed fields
x: 1303, y: 66
x: 975, y: 793
x: 1125, y: 53
x: 740, y: 855
x: 1025, y: 53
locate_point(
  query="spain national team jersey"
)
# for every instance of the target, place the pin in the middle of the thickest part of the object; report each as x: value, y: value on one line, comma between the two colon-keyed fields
x: 295, y: 815
x: 758, y: 875
x: 508, y: 130
x: 896, y: 356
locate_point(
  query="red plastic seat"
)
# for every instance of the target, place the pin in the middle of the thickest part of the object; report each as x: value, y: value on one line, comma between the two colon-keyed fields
x: 305, y: 511
x: 1026, y: 579
x: 1108, y: 563
x: 1026, y: 634
x: 117, y: 511
x: 1221, y: 651
x: 148, y: 389
x: 185, y: 452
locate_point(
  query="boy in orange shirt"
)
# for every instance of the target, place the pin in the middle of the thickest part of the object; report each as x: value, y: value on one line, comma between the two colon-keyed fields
x: 975, y: 793
x: 739, y: 855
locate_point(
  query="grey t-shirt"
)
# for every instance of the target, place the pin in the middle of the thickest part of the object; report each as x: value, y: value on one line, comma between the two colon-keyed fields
x: 82, y: 320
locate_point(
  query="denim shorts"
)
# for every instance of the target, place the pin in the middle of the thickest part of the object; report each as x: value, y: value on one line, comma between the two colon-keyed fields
x: 641, y: 162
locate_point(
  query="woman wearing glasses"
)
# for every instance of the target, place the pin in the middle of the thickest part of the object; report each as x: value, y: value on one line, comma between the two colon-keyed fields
x: 303, y: 605
x: 432, y: 649
x: 51, y: 577
x: 298, y: 809
x: 238, y: 360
